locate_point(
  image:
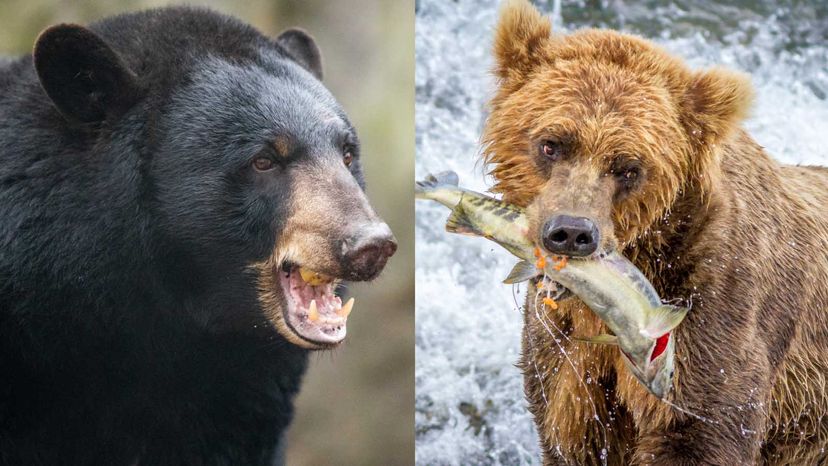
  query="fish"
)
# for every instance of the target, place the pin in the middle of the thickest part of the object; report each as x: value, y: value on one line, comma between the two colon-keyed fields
x: 476, y: 214
x: 611, y: 285
x: 641, y: 324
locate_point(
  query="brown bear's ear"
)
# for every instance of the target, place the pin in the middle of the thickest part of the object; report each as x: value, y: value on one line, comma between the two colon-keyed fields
x: 86, y: 80
x: 301, y: 46
x: 522, y: 34
x: 716, y: 102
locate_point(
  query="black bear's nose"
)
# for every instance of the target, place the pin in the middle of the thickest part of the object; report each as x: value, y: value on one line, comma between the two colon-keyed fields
x: 570, y: 236
x: 366, y: 255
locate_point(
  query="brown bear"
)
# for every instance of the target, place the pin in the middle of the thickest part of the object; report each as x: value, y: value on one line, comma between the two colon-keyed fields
x: 612, y: 143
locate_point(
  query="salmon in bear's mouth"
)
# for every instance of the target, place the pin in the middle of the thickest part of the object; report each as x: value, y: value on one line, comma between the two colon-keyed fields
x: 557, y: 291
x: 312, y: 311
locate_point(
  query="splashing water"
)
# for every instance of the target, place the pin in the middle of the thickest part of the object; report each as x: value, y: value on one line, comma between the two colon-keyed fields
x: 557, y: 337
x: 469, y: 404
x: 689, y: 413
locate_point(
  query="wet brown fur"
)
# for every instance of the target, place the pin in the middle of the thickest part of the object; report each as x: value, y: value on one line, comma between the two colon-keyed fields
x: 712, y: 221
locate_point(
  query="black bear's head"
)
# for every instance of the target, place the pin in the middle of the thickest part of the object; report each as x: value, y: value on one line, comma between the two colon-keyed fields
x: 250, y: 168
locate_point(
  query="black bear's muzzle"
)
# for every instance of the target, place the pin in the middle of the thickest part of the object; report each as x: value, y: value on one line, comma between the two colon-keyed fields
x: 365, y: 254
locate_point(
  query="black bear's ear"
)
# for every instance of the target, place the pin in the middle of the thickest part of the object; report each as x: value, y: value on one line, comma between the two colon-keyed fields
x: 301, y: 46
x: 84, y: 77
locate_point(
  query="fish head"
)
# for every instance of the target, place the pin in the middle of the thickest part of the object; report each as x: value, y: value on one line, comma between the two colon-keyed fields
x: 661, y: 366
x: 654, y: 367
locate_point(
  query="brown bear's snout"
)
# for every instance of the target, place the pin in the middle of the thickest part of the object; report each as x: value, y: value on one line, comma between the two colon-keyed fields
x: 368, y: 250
x: 570, y: 236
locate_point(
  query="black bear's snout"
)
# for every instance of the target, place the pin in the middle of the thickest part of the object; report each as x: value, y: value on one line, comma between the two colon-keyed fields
x: 570, y: 236
x: 368, y: 251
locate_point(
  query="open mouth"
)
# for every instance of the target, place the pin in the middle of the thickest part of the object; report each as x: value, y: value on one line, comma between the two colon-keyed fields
x: 312, y: 311
x: 552, y: 288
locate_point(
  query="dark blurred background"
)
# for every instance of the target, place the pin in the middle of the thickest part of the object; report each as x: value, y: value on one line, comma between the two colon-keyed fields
x: 356, y: 406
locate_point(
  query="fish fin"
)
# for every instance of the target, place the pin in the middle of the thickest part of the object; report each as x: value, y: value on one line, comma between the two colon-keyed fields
x: 458, y: 222
x: 602, y: 339
x: 431, y: 182
x: 663, y: 320
x: 515, y: 250
x: 522, y: 271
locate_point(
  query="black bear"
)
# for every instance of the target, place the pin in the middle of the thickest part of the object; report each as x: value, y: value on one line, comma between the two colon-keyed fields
x: 179, y: 197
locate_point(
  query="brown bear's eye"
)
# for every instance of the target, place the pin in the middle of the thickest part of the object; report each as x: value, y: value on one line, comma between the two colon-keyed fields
x: 552, y: 150
x: 627, y: 176
x: 630, y: 175
x: 348, y: 157
x: 263, y: 164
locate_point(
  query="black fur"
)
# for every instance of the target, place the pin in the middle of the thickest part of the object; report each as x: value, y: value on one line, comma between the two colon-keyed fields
x: 302, y: 47
x: 82, y: 75
x: 130, y: 331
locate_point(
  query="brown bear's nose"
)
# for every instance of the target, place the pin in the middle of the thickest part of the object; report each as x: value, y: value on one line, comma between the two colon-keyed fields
x: 367, y: 254
x: 570, y: 236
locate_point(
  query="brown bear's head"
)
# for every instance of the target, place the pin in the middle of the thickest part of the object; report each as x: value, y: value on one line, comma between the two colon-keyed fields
x: 598, y: 133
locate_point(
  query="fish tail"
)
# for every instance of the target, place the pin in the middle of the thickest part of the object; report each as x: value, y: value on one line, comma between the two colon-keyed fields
x: 434, y: 182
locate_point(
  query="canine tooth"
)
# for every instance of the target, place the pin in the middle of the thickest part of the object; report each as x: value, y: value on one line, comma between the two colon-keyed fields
x: 346, y: 309
x: 313, y: 314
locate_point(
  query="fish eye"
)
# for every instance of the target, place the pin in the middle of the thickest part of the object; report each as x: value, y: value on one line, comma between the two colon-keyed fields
x: 552, y: 149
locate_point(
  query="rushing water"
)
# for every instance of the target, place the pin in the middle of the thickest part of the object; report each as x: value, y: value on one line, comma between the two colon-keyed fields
x: 470, y: 406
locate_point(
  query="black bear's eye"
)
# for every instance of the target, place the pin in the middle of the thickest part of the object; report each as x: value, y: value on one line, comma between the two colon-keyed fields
x: 263, y: 164
x: 552, y: 150
x: 348, y: 157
